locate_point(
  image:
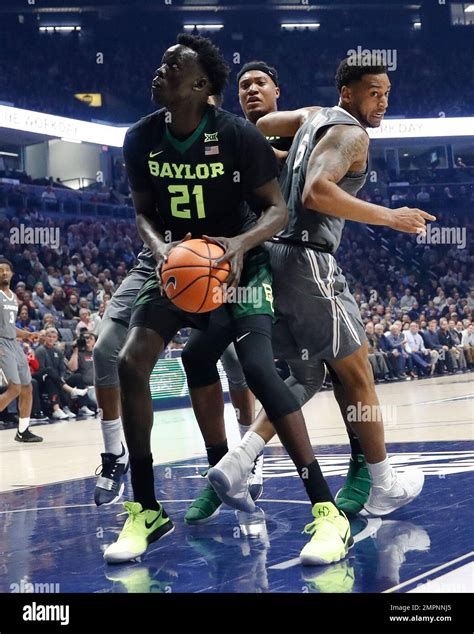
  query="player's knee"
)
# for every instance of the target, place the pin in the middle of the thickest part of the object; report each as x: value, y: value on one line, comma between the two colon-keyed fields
x: 253, y: 373
x: 200, y: 370
x: 15, y: 389
x: 133, y: 366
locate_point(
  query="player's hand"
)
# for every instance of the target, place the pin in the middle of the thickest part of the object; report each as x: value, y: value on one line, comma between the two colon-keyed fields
x: 234, y: 254
x: 410, y: 220
x: 32, y: 336
x: 161, y: 256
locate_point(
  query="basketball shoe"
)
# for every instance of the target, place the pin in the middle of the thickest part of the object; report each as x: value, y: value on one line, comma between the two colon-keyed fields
x: 110, y: 485
x: 142, y: 527
x: 27, y: 436
x: 355, y: 491
x: 403, y: 490
x: 330, y: 536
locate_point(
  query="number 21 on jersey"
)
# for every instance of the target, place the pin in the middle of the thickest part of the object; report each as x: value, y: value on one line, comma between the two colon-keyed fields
x: 180, y: 197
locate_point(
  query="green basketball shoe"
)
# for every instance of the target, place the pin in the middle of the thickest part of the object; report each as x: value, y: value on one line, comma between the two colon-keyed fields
x: 206, y: 506
x: 142, y: 528
x: 355, y: 492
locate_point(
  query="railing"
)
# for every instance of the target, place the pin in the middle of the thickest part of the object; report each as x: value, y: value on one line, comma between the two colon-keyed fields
x: 64, y: 205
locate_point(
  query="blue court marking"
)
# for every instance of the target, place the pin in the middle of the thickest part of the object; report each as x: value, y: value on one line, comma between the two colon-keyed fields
x: 54, y: 535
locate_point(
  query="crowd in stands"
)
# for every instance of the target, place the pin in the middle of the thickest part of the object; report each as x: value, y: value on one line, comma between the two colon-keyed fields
x: 416, y: 297
x: 430, y: 76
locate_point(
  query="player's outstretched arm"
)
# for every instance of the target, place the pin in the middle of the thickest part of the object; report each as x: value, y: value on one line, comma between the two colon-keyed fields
x: 285, y: 123
x: 344, y: 149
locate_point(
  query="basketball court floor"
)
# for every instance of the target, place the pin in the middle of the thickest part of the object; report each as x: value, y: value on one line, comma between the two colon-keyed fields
x: 52, y: 533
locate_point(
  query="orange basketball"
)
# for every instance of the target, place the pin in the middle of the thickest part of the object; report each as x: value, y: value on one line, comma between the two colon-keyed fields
x: 190, y: 278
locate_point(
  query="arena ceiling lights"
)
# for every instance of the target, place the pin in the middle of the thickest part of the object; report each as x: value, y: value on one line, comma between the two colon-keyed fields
x: 291, y: 26
x: 75, y: 130
x: 203, y: 27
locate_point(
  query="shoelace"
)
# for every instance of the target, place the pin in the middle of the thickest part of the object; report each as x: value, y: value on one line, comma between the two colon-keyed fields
x: 107, y: 470
x: 311, y: 528
x: 133, y: 514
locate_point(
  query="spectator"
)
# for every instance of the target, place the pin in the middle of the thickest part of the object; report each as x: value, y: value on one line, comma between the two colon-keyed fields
x: 432, y: 342
x: 456, y: 338
x: 82, y: 367
x: 423, y: 196
x: 85, y: 321
x: 71, y: 310
x: 467, y: 342
x: 376, y: 356
x: 423, y: 360
x: 397, y: 345
x: 447, y: 342
x: 48, y: 195
x: 407, y: 301
x: 23, y: 321
x: 50, y: 377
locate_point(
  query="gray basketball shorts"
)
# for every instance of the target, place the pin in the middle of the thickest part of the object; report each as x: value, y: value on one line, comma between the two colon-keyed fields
x: 13, y: 362
x: 120, y: 306
x: 114, y: 328
x: 316, y: 315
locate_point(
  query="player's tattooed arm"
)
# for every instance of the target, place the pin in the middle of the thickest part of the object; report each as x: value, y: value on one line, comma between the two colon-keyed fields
x: 285, y: 123
x: 343, y: 149
x: 273, y: 219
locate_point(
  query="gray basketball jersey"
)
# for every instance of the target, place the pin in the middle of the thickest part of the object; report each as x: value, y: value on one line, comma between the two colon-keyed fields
x: 8, y: 313
x: 306, y: 226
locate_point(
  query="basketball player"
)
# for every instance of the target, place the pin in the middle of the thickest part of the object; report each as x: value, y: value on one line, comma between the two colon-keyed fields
x: 13, y: 362
x: 113, y: 332
x: 165, y: 154
x: 317, y: 317
x: 258, y: 95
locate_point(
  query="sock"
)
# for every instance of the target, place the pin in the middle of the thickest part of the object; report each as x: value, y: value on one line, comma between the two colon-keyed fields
x: 382, y: 474
x: 243, y: 429
x: 315, y: 484
x: 216, y: 452
x: 143, y: 482
x: 112, y: 435
x: 23, y: 424
x: 356, y: 449
x: 252, y: 444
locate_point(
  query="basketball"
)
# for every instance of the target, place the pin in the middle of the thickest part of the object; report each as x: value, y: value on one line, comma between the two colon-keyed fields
x: 190, y: 277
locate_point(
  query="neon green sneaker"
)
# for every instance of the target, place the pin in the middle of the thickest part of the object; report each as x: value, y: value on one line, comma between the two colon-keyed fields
x: 355, y: 492
x: 206, y: 506
x: 141, y: 529
x: 339, y: 578
x: 330, y: 536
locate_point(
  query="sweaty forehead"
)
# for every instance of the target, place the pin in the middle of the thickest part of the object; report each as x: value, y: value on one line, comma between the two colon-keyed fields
x: 376, y: 81
x: 254, y: 75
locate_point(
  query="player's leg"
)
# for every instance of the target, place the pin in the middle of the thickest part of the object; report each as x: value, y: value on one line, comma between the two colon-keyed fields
x: 356, y: 488
x: 199, y: 357
x: 330, y: 530
x: 244, y: 404
x: 25, y: 399
x: 115, y: 460
x: 147, y: 521
x: 390, y: 489
x: 153, y: 324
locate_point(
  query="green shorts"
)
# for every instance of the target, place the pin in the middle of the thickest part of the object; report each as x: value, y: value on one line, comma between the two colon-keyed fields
x: 253, y: 296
